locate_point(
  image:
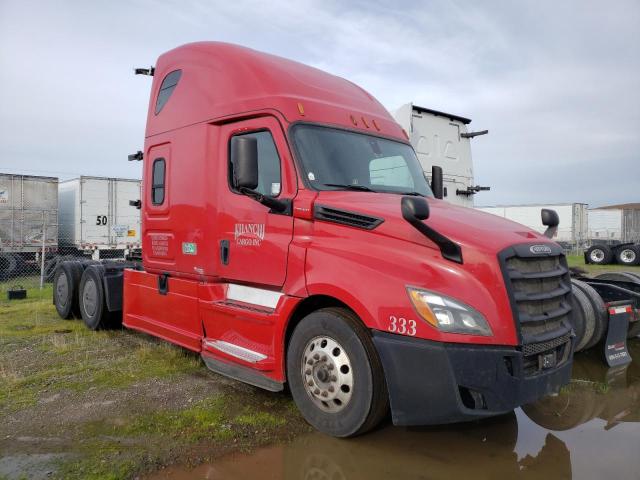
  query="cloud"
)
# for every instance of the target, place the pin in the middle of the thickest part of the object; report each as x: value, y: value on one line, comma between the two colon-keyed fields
x: 556, y: 84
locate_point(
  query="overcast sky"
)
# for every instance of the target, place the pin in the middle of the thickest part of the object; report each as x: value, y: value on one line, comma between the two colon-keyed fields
x: 556, y: 83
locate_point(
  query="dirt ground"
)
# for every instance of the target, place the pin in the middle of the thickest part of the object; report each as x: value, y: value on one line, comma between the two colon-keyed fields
x: 117, y: 404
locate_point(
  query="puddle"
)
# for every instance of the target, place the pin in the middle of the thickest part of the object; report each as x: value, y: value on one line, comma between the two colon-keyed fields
x: 591, y: 430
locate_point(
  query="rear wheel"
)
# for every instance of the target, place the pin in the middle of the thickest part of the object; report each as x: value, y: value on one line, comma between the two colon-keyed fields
x: 335, y: 374
x: 95, y: 314
x: 628, y: 255
x: 65, y: 289
x: 599, y: 309
x: 620, y: 277
x: 583, y: 318
x: 599, y: 255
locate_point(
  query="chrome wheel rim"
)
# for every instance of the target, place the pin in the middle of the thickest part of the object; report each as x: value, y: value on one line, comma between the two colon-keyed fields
x: 62, y: 289
x: 89, y: 297
x: 627, y: 256
x: 597, y: 255
x: 327, y: 374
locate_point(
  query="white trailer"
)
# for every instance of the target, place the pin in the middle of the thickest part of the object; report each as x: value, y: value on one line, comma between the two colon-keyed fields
x: 573, y: 225
x: 605, y: 224
x: 442, y: 139
x: 615, y: 223
x: 28, y: 208
x: 95, y: 216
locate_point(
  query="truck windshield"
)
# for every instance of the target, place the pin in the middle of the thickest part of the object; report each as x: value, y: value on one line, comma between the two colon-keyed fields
x: 336, y: 159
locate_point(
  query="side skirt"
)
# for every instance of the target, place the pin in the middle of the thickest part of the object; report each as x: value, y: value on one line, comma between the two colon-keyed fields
x: 241, y: 373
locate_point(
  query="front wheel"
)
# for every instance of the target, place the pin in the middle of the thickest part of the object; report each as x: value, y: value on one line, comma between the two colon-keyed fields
x: 335, y: 374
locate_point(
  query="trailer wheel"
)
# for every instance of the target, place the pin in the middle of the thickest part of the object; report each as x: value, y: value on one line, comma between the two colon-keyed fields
x: 93, y: 307
x: 65, y: 289
x: 599, y: 255
x: 8, y: 265
x: 583, y: 318
x: 628, y: 255
x: 335, y: 375
x: 600, y: 312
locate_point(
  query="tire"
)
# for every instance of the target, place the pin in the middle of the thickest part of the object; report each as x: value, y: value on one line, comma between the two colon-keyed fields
x: 50, y: 267
x: 619, y: 277
x: 584, y: 318
x: 8, y: 266
x: 600, y: 311
x: 599, y: 255
x: 634, y: 330
x: 93, y: 308
x: 66, y: 282
x: 629, y: 255
x: 341, y: 345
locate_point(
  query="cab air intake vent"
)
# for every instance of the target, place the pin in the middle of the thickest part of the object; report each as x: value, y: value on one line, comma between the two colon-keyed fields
x: 344, y: 217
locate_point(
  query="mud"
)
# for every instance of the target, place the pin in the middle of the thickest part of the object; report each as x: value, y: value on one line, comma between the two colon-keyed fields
x: 591, y: 430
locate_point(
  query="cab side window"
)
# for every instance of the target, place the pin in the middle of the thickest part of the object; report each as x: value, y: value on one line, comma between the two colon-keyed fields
x: 166, y: 89
x: 268, y: 164
x: 157, y: 181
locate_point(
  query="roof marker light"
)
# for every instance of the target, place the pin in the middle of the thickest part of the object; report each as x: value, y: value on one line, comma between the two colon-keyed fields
x: 353, y: 120
x: 300, y: 109
x: 375, y: 124
x: 365, y: 122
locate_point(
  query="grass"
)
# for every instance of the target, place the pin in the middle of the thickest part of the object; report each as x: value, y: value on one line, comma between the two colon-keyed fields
x: 578, y: 261
x: 44, y: 357
x: 67, y: 358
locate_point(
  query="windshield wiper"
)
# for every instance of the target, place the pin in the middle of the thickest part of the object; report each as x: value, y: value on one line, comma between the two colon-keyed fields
x: 360, y: 188
x: 413, y: 194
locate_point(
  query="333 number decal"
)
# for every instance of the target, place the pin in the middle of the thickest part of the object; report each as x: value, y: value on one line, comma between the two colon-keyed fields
x: 402, y: 326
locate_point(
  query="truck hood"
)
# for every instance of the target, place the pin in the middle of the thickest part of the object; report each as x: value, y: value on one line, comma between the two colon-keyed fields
x: 473, y: 230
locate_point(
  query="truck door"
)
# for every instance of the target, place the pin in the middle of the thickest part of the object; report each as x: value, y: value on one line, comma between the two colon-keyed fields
x: 253, y: 243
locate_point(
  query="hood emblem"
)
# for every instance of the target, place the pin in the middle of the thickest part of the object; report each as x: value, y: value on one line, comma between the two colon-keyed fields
x: 540, y: 249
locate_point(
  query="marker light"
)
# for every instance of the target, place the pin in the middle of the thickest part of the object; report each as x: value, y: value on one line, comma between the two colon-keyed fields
x: 448, y: 314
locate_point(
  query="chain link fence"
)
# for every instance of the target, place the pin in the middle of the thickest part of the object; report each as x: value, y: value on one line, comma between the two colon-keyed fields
x: 45, y: 220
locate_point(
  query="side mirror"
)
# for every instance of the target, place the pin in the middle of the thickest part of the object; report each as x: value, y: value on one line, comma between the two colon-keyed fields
x: 550, y: 220
x: 415, y: 210
x: 244, y: 158
x: 437, y: 184
x: 414, y: 207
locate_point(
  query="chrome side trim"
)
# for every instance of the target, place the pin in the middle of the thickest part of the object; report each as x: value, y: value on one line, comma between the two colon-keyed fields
x: 235, y: 351
x: 253, y: 296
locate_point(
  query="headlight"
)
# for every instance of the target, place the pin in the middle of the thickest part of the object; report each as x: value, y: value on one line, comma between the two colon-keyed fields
x: 447, y: 314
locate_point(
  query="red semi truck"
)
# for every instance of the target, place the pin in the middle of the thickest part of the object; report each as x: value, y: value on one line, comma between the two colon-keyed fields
x: 290, y: 237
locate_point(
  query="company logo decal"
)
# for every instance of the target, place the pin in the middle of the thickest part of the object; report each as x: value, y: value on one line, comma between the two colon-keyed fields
x: 540, y: 249
x: 189, y: 248
x: 249, y: 234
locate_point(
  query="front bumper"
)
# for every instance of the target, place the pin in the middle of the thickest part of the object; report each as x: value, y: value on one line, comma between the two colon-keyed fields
x: 435, y: 383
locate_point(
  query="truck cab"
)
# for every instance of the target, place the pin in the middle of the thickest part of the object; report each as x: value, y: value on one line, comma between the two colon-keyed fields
x: 290, y: 236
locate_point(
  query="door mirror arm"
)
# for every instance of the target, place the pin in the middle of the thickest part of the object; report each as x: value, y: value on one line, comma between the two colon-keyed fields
x: 276, y: 205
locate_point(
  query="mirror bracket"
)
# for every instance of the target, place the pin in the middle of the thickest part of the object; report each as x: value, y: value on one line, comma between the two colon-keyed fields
x: 276, y: 205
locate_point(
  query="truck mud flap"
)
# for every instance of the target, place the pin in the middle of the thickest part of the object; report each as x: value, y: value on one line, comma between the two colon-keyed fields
x: 615, y: 345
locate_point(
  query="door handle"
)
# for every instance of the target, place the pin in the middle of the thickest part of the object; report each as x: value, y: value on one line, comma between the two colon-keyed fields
x: 224, y: 252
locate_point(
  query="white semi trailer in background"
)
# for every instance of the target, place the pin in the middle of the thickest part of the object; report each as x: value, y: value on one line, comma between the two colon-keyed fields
x: 96, y: 218
x: 573, y: 227
x: 443, y: 140
x: 28, y: 222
